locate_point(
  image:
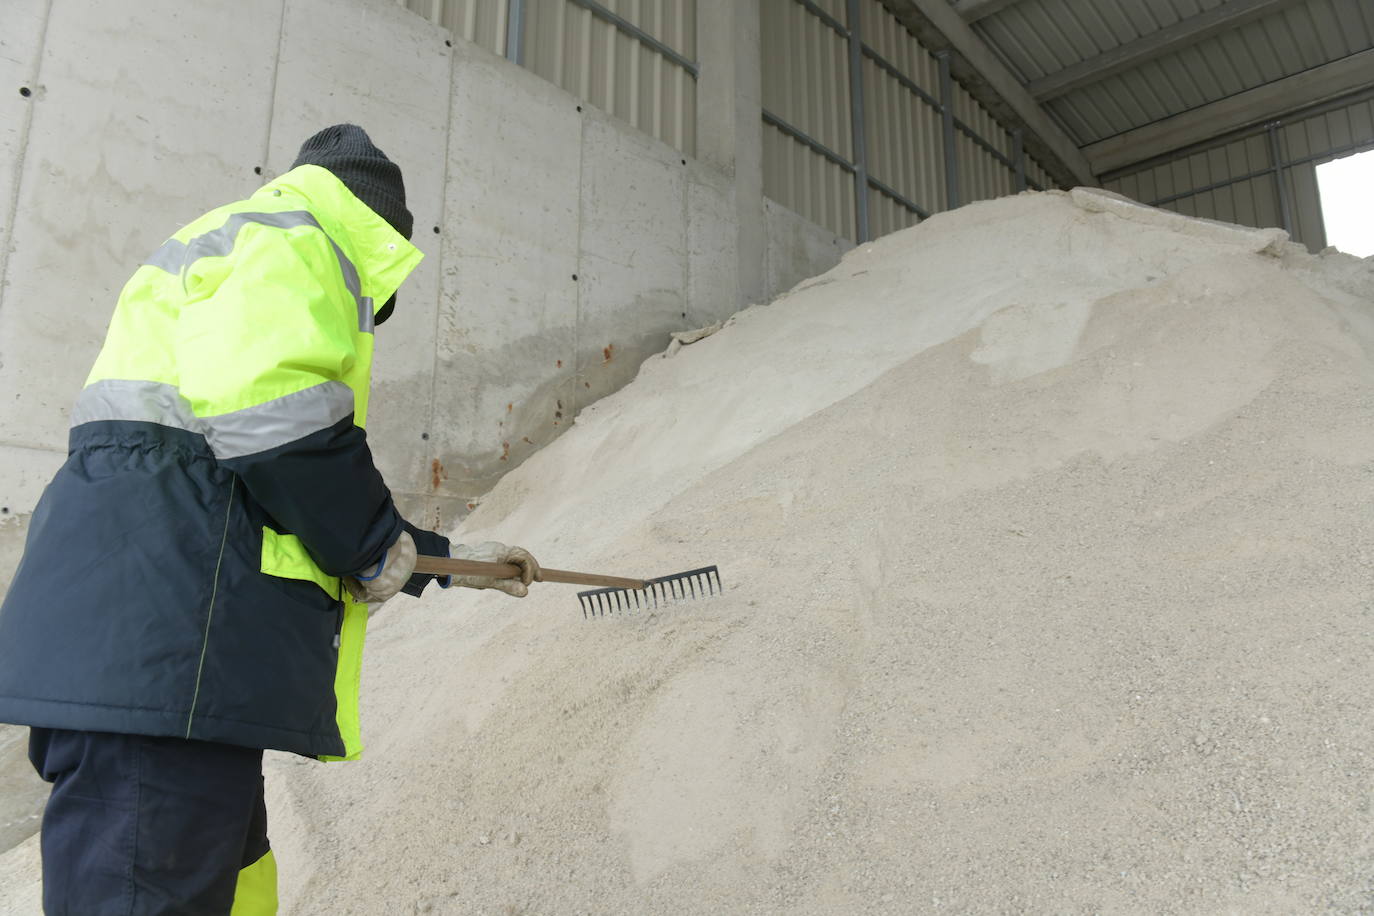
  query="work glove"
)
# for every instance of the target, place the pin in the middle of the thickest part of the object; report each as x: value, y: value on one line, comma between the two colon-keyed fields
x: 384, y: 580
x: 493, y: 552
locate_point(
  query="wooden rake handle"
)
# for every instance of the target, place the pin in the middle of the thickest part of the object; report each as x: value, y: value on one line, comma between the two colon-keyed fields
x: 444, y: 566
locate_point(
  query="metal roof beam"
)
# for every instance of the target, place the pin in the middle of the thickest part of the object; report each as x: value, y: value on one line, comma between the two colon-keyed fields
x: 939, y: 27
x: 1154, y: 45
x: 1254, y: 106
x: 973, y: 10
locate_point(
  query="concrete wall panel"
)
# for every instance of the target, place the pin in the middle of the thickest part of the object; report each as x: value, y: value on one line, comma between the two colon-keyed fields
x: 401, y: 97
x: 633, y: 274
x: 131, y: 137
x: 797, y: 248
x: 21, y: 30
x: 713, y: 247
x: 508, y: 310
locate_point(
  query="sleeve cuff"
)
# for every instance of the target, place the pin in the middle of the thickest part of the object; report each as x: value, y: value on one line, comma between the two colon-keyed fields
x: 427, y: 543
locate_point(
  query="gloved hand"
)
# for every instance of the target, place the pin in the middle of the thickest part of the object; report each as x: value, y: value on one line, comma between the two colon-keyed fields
x: 493, y: 552
x: 386, y: 578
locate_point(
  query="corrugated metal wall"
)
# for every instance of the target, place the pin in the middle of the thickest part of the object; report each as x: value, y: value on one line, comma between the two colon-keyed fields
x: 808, y: 161
x: 1235, y: 180
x: 1037, y: 176
x: 591, y: 57
x: 809, y: 155
x: 482, y: 22
x: 805, y: 63
x: 981, y: 176
x: 903, y: 131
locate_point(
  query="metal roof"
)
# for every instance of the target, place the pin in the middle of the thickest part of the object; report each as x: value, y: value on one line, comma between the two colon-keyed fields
x: 1103, y: 68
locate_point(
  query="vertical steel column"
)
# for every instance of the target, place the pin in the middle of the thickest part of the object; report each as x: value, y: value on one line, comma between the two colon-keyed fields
x: 856, y: 118
x: 1018, y: 156
x: 947, y: 115
x: 515, y: 31
x: 1276, y: 158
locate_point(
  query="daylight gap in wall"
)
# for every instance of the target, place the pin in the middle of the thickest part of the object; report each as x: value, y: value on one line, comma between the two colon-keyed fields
x: 1347, y: 193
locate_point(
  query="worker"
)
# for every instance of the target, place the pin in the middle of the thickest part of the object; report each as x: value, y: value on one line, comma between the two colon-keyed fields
x: 197, y: 577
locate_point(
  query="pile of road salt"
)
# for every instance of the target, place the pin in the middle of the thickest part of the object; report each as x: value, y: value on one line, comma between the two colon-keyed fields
x: 1048, y: 540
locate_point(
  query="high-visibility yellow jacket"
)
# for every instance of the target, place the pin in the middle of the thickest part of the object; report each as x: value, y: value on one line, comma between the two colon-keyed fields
x: 182, y: 571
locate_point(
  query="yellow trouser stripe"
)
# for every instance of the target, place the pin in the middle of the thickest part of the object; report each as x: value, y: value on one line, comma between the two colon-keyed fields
x: 256, y: 892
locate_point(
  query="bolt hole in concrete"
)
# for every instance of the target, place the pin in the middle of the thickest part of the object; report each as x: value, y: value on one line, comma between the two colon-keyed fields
x: 257, y: 170
x: 25, y: 91
x: 574, y: 276
x: 436, y: 230
x: 424, y: 436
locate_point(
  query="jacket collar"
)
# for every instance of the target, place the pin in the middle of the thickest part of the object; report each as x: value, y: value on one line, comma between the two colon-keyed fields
x: 382, y: 256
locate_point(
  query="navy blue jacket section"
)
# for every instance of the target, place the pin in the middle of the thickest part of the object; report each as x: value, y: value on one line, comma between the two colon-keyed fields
x: 140, y: 606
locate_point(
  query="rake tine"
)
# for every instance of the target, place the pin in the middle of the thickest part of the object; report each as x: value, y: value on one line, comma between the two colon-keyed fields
x: 689, y: 585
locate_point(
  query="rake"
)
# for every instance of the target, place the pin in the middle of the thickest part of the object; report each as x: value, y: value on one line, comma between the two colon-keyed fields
x: 617, y: 593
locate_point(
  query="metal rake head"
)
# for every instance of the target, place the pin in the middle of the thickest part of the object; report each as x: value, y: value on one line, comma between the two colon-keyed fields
x: 683, y: 586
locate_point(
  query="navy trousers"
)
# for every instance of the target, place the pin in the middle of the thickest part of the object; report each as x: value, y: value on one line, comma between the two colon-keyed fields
x: 138, y: 825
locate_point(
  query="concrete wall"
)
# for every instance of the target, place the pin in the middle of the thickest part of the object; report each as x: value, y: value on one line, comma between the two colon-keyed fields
x: 562, y: 246
x: 798, y: 248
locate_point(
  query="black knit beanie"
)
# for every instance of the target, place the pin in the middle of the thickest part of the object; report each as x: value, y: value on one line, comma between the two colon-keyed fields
x: 347, y: 151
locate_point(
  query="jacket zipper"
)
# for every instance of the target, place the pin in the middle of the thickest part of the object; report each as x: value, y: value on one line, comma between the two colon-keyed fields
x: 339, y: 617
x: 210, y: 613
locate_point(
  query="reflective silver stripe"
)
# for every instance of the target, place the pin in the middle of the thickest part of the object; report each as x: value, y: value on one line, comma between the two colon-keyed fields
x: 169, y: 257
x: 174, y: 256
x: 124, y: 399
x: 231, y: 435
x: 279, y: 421
x: 366, y: 318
